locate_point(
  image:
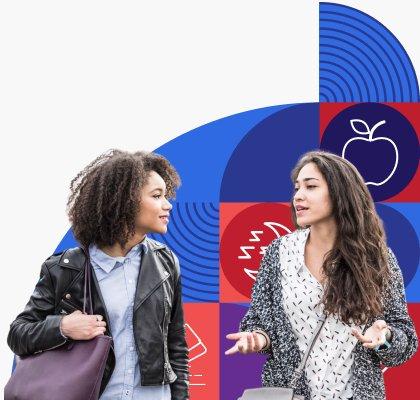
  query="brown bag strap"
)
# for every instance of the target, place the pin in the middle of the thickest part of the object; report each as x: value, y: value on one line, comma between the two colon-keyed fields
x: 87, y: 292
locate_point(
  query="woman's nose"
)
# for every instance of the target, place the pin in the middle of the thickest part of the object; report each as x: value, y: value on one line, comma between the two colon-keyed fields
x: 299, y: 195
x: 167, y: 205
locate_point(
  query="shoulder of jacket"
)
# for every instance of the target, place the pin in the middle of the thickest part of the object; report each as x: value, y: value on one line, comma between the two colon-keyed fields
x: 53, y: 259
x: 277, y: 241
x: 171, y: 259
x: 394, y: 268
x: 273, y: 248
x: 155, y: 245
x: 391, y: 256
x: 158, y: 246
x: 72, y: 258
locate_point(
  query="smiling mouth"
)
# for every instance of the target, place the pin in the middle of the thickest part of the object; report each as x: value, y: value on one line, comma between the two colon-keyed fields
x: 300, y: 208
x: 165, y: 218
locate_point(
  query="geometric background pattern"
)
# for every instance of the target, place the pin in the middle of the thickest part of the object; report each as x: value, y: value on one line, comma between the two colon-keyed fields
x: 240, y: 165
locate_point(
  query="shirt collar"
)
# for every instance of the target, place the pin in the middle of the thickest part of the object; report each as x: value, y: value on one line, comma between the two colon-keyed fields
x: 107, y: 262
x: 301, y: 242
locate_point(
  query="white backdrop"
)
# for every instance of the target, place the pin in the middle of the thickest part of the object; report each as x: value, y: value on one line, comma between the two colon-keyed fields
x: 80, y: 77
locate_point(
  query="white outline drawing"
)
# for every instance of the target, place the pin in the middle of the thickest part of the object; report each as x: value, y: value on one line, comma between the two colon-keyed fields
x: 369, y: 132
x: 197, y: 384
x: 271, y: 226
x: 199, y: 343
x: 252, y: 273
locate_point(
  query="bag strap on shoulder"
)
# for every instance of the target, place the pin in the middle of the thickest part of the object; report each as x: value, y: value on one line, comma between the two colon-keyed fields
x: 299, y: 370
x: 87, y: 292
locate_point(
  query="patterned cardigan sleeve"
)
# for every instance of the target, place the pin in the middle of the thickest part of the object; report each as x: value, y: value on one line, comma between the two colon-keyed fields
x: 260, y: 312
x: 404, y: 339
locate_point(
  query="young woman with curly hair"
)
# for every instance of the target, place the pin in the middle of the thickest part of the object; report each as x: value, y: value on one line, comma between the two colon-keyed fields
x: 113, y: 204
x: 335, y: 266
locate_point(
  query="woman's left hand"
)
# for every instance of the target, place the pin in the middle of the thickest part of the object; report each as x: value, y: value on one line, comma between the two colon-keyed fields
x: 374, y: 336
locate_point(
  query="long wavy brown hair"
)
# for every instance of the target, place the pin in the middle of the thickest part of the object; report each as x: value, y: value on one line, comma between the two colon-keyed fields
x: 356, y: 268
x: 105, y: 196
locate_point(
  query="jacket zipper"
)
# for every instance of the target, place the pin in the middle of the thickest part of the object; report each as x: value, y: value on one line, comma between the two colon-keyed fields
x: 163, y: 337
x: 164, y: 319
x: 51, y: 348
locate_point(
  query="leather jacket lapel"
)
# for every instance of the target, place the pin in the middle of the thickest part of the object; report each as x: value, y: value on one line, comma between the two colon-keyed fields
x: 152, y: 274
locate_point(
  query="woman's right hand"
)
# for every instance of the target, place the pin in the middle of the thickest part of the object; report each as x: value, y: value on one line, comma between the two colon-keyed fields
x: 246, y: 342
x: 79, y: 326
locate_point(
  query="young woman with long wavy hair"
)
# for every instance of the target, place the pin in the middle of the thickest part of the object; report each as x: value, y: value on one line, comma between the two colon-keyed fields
x: 337, y: 266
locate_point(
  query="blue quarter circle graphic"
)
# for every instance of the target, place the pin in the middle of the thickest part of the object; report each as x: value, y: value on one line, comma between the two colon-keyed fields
x: 361, y: 60
x: 259, y: 168
x: 409, y: 213
x: 402, y: 236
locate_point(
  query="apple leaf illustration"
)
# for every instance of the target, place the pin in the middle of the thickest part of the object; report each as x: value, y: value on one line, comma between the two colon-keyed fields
x: 355, y: 123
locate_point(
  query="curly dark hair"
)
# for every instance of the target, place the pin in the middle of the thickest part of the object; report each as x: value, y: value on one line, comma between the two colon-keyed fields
x: 105, y: 196
x: 356, y: 268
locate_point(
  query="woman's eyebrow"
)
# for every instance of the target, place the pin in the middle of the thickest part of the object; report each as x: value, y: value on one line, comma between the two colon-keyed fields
x: 306, y: 179
x: 157, y: 189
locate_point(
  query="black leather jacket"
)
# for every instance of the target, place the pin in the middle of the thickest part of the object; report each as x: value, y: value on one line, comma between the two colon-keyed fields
x: 158, y: 319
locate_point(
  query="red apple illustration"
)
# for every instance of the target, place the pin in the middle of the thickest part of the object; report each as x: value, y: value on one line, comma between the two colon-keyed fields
x: 369, y: 133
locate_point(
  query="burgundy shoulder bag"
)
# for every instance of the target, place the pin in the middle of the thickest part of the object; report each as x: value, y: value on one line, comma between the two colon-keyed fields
x: 71, y: 372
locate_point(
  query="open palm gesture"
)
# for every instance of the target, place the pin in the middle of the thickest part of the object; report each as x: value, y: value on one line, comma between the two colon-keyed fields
x: 246, y: 342
x: 374, y: 336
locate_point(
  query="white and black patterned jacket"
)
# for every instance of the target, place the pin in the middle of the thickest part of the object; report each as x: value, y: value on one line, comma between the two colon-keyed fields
x: 266, y: 313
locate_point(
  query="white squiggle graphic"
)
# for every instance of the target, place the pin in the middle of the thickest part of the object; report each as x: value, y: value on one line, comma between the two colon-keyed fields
x: 370, y: 132
x: 255, y: 238
x: 244, y: 250
x: 252, y: 273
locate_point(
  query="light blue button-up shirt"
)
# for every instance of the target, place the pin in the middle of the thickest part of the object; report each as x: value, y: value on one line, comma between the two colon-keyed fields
x: 117, y: 277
